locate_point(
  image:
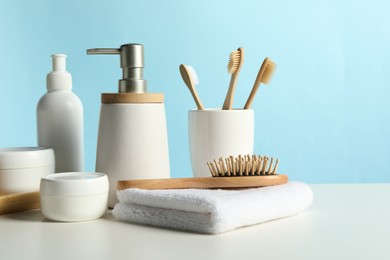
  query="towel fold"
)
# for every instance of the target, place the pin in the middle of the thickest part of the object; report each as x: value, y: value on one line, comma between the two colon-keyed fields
x: 211, y: 211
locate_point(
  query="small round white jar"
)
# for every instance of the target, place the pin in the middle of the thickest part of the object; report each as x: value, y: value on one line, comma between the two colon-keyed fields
x: 21, y: 168
x: 74, y: 196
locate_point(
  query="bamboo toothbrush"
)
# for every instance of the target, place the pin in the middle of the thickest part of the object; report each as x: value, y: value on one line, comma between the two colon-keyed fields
x: 236, y: 60
x: 264, y: 76
x: 191, y: 79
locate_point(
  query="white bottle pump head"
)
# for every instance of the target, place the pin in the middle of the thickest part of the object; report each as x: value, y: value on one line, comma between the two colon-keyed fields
x: 58, y: 78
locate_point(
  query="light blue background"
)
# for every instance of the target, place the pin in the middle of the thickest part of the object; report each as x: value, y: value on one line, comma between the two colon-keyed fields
x: 325, y: 113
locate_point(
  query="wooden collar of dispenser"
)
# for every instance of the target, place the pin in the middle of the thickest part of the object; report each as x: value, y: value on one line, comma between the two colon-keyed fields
x: 132, y: 98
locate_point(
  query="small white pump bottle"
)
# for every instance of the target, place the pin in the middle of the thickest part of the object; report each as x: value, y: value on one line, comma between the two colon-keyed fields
x: 60, y: 119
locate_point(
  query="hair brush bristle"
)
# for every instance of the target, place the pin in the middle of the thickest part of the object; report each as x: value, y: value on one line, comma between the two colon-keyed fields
x: 247, y: 165
x: 234, y: 61
x: 268, y: 71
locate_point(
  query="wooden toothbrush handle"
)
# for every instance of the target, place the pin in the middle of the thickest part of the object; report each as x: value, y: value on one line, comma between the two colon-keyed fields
x: 255, y: 87
x: 196, y: 98
x: 228, y: 103
x: 205, y: 183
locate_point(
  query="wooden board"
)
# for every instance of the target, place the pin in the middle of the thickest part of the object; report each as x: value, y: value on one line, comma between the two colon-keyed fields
x: 205, y: 183
x: 16, y: 202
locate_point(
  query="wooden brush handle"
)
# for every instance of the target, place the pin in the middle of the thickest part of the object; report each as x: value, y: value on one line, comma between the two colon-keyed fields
x: 16, y: 202
x: 196, y: 97
x: 255, y: 87
x: 228, y: 103
x: 205, y: 183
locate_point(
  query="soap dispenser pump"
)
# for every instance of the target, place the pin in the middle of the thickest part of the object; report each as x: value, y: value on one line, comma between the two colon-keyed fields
x: 132, y: 138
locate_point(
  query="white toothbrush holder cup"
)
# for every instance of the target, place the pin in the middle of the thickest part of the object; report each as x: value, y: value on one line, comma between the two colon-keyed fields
x: 215, y: 133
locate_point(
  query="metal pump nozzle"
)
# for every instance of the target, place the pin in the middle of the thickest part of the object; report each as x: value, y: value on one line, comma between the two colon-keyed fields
x: 132, y: 64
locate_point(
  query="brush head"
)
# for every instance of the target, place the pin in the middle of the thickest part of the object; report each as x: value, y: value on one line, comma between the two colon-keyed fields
x: 189, y: 75
x: 269, y: 68
x: 236, y: 59
x: 193, y: 75
x: 247, y: 165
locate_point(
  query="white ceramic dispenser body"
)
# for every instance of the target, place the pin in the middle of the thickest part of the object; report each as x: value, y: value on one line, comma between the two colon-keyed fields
x: 60, y: 119
x: 132, y: 139
x: 132, y: 143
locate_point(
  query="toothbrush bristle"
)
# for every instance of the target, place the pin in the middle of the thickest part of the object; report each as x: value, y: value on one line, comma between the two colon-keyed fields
x: 234, y: 61
x: 194, y: 76
x: 269, y: 70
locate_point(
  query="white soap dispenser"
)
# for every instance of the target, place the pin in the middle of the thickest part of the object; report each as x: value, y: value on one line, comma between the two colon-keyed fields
x: 132, y: 140
x: 60, y: 119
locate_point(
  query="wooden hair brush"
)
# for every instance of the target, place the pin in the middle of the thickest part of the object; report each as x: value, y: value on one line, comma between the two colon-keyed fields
x: 246, y: 172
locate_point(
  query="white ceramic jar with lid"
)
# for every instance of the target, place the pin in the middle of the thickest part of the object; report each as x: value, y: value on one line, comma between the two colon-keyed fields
x: 74, y: 196
x: 21, y: 168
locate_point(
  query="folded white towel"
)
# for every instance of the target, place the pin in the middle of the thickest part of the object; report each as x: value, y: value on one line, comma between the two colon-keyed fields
x: 211, y: 211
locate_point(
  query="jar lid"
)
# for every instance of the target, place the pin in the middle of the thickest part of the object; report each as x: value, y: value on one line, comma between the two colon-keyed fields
x: 26, y: 157
x: 74, y: 184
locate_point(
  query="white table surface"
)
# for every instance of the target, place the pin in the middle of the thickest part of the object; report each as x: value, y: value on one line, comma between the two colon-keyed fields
x: 346, y: 221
